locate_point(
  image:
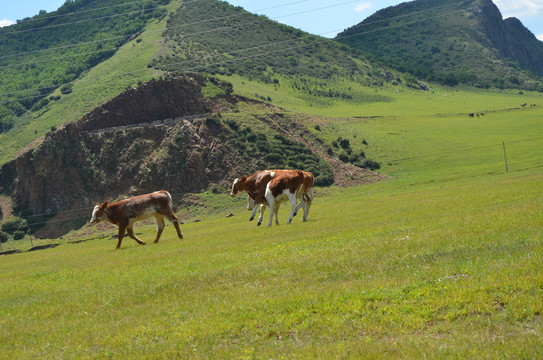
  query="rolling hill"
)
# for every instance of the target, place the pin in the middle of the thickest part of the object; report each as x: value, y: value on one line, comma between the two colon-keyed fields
x: 51, y: 50
x: 452, y: 42
x: 190, y: 37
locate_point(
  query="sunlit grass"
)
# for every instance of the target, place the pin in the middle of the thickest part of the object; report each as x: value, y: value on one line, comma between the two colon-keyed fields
x: 443, y: 260
x: 431, y: 272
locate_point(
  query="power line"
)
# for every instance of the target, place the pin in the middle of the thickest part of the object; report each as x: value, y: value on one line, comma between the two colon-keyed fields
x: 228, y: 17
x: 151, y: 31
x: 271, y: 44
x: 83, y: 21
x: 434, y: 155
x: 225, y: 17
x: 129, y: 35
x: 38, y: 17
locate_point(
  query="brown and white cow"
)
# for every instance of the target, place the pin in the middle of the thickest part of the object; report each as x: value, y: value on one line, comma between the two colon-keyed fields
x: 305, y: 195
x: 284, y: 187
x: 126, y: 212
x: 255, y: 185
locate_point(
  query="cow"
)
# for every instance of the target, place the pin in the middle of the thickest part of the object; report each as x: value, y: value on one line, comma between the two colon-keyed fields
x: 255, y: 185
x: 126, y: 212
x: 305, y: 195
x: 284, y: 187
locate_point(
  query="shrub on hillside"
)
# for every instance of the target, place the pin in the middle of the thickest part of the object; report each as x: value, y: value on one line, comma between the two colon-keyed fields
x: 18, y: 235
x: 325, y: 176
x: 15, y: 224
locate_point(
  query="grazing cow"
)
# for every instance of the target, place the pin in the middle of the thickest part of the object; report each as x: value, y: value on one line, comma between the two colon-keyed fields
x: 126, y: 212
x: 524, y: 105
x: 305, y: 195
x: 284, y: 187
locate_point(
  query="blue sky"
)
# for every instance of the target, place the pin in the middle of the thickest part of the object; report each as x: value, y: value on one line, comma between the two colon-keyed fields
x: 320, y: 17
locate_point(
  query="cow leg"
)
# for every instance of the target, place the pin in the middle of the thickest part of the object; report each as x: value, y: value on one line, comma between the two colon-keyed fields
x: 276, y: 212
x: 262, y: 209
x: 271, y: 204
x: 308, y: 203
x: 120, y: 236
x: 130, y: 230
x: 301, y: 205
x: 292, y: 198
x: 159, y: 226
x: 253, y: 213
x: 175, y: 221
x: 306, y: 210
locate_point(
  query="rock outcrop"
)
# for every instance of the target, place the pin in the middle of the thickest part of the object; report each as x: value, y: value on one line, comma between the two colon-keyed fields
x: 124, y: 148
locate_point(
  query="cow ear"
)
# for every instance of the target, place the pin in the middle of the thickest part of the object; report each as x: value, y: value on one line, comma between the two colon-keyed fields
x: 243, y: 178
x: 103, y: 205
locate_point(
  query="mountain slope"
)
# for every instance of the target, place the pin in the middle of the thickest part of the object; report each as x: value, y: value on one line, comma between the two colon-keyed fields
x: 73, y: 167
x: 208, y: 36
x: 158, y: 136
x: 51, y: 50
x: 452, y: 41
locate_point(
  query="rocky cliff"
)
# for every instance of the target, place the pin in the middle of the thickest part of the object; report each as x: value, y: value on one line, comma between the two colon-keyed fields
x: 511, y: 38
x: 148, y: 138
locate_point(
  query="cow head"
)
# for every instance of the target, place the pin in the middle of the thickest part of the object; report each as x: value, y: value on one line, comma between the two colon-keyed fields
x: 99, y: 213
x: 238, y: 185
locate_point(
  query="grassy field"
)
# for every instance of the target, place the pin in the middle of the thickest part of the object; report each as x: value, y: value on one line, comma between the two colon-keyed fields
x: 441, y: 261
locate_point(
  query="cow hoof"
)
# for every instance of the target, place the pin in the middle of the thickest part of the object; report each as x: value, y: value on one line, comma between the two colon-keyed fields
x: 258, y: 224
x: 295, y: 214
x: 251, y: 219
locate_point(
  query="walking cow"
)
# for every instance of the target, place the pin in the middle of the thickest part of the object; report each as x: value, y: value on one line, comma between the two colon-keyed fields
x: 126, y: 212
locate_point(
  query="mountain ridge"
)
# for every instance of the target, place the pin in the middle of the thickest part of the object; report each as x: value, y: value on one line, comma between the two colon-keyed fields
x: 452, y: 42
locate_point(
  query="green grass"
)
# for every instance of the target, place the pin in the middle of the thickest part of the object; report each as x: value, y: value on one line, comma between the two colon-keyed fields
x: 441, y: 261
x: 438, y: 272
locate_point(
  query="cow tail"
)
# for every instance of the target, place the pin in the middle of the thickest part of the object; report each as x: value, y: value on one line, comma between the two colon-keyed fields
x: 170, y: 201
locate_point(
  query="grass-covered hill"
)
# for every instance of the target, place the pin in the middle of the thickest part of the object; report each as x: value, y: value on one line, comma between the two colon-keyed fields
x: 61, y: 65
x: 218, y: 38
x: 279, y: 60
x: 452, y: 42
x: 441, y: 261
x: 50, y: 50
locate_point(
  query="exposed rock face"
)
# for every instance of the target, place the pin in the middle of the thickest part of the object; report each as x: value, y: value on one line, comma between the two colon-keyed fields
x: 74, y: 168
x: 512, y: 39
x: 155, y: 100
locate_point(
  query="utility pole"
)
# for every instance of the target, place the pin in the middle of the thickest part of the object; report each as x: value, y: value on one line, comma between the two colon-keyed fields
x: 505, y: 157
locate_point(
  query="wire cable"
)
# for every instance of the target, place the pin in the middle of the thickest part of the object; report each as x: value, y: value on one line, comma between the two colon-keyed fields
x: 271, y: 44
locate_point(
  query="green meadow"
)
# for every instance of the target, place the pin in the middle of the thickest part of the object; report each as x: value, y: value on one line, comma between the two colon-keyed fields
x: 442, y: 260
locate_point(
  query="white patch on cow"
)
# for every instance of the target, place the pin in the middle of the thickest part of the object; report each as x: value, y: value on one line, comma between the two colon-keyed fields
x: 232, y: 193
x: 272, y: 173
x: 275, y: 202
x: 250, y: 203
x: 146, y: 214
x: 93, y: 217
